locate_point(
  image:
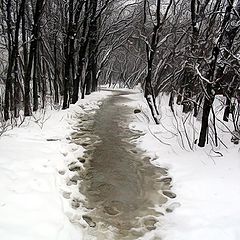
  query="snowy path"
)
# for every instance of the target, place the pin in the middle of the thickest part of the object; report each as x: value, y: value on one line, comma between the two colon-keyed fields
x: 40, y: 179
x: 120, y: 184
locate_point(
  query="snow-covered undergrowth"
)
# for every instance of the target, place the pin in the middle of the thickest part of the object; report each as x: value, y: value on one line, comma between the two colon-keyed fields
x: 34, y: 176
x: 206, y: 180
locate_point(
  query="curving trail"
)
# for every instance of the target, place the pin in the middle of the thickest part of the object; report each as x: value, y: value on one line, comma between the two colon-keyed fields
x: 120, y: 184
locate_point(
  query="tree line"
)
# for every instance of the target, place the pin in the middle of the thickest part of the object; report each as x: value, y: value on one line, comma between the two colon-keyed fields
x: 62, y: 50
x: 188, y: 49
x: 50, y: 49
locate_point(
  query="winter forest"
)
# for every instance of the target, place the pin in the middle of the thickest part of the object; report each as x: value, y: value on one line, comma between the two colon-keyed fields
x: 121, y: 118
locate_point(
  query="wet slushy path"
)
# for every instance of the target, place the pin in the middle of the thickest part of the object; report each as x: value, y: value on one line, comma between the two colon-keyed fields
x: 120, y: 184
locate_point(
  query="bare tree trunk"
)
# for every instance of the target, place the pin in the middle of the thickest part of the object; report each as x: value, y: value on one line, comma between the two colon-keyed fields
x: 17, y: 90
x: 206, y: 111
x: 35, y: 82
x: 91, y: 73
x: 68, y: 55
x: 55, y: 79
x: 13, y: 55
x: 151, y: 51
x: 81, y: 56
x: 32, y: 52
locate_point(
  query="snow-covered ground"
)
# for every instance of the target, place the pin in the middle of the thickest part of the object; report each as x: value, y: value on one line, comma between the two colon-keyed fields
x: 36, y: 197
x: 34, y: 177
x: 206, y: 180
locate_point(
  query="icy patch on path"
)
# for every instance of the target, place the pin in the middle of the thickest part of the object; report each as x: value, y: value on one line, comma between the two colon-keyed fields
x: 120, y: 185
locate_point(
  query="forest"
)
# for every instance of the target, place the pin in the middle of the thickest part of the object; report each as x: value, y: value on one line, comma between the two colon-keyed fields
x: 55, y: 52
x: 119, y: 119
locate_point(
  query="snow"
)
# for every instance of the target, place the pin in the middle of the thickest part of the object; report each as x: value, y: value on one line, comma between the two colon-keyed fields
x: 34, y: 176
x: 206, y: 182
x: 36, y: 195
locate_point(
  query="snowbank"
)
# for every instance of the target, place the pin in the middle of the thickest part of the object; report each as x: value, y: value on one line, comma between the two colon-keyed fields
x: 36, y: 200
x: 34, y: 177
x: 206, y: 180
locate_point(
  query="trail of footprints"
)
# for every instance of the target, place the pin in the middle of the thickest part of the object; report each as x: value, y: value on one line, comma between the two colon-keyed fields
x: 76, y: 173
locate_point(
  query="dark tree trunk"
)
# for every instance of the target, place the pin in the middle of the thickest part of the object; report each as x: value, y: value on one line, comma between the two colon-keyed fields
x: 13, y: 55
x: 43, y: 80
x: 91, y: 80
x: 205, y: 117
x: 81, y: 57
x: 32, y: 52
x: 76, y: 82
x: 179, y: 97
x: 227, y: 109
x: 35, y: 83
x: 94, y: 75
x: 148, y: 92
x: 171, y: 101
x: 88, y: 79
x: 197, y: 105
x: 55, y: 79
x: 208, y: 101
x: 195, y: 29
x: 17, y: 90
x: 68, y: 57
